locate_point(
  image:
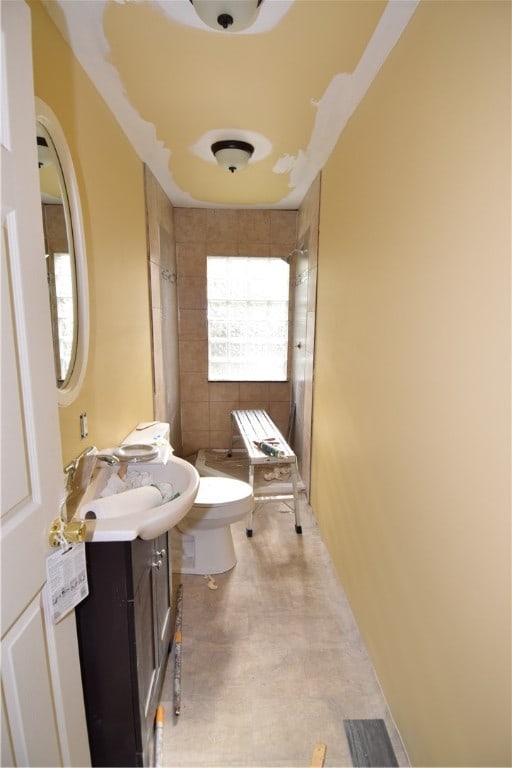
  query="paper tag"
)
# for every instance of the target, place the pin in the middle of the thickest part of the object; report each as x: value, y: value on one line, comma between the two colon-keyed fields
x: 66, y: 575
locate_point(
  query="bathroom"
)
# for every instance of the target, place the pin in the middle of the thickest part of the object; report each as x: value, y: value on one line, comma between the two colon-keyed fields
x: 409, y: 453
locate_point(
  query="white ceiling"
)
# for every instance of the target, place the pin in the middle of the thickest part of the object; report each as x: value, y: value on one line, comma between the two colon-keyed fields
x: 288, y: 85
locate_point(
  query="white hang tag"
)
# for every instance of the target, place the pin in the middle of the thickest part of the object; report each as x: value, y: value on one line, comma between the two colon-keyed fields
x: 66, y: 574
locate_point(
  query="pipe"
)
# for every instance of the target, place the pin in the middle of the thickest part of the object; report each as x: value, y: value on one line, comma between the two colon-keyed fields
x: 302, y: 251
x: 177, y: 652
x: 159, y: 737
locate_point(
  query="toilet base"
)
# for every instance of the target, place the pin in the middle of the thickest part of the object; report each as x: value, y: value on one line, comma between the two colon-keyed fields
x: 204, y: 552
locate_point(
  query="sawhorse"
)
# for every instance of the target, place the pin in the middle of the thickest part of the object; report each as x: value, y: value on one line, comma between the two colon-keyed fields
x: 254, y: 427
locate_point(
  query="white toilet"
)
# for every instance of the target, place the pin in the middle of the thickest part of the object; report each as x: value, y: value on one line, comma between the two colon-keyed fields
x: 205, y: 531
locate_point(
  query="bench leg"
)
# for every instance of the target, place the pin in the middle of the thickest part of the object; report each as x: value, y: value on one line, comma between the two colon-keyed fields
x: 248, y: 527
x: 230, y: 452
x: 296, y: 496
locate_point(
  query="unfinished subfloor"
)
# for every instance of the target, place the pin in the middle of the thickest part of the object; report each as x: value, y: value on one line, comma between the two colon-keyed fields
x: 272, y: 660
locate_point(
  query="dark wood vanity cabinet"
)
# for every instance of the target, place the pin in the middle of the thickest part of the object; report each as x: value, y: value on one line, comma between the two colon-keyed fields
x: 124, y: 636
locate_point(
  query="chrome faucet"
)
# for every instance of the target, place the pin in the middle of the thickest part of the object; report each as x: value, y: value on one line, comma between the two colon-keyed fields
x: 79, y: 471
x: 78, y: 475
x: 108, y: 458
x: 85, y: 460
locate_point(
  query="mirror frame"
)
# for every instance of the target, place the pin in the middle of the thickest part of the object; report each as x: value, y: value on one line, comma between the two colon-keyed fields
x: 46, y: 117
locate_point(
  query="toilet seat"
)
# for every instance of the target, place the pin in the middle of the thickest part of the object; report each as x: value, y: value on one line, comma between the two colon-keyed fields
x: 221, y: 491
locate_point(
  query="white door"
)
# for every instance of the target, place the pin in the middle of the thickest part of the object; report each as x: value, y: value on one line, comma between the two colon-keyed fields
x: 303, y: 353
x: 42, y: 714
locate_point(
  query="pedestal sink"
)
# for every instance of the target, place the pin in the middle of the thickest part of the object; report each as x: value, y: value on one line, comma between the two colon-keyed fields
x: 147, y: 523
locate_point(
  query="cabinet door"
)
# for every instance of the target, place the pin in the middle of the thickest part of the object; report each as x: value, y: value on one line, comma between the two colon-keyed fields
x: 124, y: 628
x: 152, y: 618
x: 105, y: 626
x: 162, y: 595
x: 144, y: 623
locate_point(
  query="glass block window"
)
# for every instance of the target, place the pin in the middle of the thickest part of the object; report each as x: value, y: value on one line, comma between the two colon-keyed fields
x: 247, y: 318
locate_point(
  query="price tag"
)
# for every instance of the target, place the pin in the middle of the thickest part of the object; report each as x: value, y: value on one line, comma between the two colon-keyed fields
x: 66, y: 575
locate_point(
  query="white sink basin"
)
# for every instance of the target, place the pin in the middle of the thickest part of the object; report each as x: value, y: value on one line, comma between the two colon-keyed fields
x: 147, y: 523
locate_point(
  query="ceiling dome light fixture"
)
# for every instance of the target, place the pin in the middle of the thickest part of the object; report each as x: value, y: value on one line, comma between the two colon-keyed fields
x: 228, y: 15
x: 232, y: 154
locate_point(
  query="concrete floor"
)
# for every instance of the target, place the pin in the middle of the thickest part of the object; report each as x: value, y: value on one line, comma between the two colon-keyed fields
x: 272, y: 660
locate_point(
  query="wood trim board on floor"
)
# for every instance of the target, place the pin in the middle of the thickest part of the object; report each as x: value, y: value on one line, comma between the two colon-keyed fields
x: 318, y: 757
x: 370, y: 745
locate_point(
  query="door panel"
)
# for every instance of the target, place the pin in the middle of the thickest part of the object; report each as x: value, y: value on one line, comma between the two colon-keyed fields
x: 14, y: 461
x: 31, y: 475
x: 27, y: 693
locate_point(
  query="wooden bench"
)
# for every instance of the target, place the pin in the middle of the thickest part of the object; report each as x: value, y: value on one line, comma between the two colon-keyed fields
x: 253, y: 427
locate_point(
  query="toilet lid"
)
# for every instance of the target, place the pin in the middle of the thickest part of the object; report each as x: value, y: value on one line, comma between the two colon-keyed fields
x: 221, y: 490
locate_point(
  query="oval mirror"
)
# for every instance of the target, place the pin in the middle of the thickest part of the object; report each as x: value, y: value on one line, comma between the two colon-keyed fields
x: 64, y: 253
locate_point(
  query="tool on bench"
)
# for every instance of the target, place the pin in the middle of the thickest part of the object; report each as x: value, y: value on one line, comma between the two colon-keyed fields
x: 270, y: 447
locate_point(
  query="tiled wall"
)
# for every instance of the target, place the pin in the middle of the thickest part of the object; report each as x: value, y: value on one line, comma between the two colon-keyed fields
x: 164, y: 307
x: 206, y: 406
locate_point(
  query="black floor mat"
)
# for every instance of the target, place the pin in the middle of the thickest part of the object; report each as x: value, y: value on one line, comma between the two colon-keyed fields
x: 370, y: 745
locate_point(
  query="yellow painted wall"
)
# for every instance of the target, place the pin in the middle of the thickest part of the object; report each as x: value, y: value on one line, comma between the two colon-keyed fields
x: 117, y: 390
x: 411, y: 453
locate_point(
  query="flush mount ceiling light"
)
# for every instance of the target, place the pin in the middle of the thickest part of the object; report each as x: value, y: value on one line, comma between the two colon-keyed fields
x: 229, y: 15
x: 232, y: 154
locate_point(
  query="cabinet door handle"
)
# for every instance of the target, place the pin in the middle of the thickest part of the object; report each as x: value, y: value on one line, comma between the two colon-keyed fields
x: 160, y: 553
x: 157, y: 564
